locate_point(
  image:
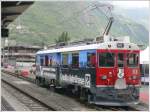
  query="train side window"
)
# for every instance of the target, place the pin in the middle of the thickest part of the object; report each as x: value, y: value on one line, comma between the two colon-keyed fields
x: 65, y: 60
x: 141, y: 70
x: 146, y: 69
x: 50, y: 61
x: 91, y: 59
x: 46, y: 60
x: 75, y: 60
x: 41, y: 62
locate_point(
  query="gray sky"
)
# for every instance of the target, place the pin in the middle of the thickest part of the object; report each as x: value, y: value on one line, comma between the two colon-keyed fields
x: 131, y: 4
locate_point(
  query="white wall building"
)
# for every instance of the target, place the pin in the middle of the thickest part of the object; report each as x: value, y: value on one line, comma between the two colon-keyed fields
x: 144, y: 61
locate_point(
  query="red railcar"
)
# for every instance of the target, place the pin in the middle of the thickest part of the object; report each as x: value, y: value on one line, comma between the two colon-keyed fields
x: 121, y: 63
x: 106, y: 73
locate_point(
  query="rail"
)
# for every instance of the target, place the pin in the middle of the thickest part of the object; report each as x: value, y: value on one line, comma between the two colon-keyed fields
x: 34, y: 100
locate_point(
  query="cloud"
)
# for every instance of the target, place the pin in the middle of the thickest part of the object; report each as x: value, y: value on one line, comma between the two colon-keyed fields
x: 131, y: 4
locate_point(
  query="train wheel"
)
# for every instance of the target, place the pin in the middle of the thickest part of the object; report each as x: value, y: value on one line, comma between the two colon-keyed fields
x: 60, y: 90
x: 43, y: 83
x: 37, y: 81
x: 40, y: 81
x: 68, y: 90
x: 76, y: 91
x: 52, y: 85
x: 52, y: 88
x: 84, y: 94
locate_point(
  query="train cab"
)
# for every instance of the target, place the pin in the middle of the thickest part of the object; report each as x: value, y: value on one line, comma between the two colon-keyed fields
x: 105, y: 73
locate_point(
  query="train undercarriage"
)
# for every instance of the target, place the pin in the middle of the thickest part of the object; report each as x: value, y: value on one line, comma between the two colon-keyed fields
x: 108, y: 96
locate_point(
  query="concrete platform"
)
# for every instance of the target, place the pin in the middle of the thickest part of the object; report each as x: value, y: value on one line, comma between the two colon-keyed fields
x: 57, y: 101
x: 144, y: 94
x: 5, y: 106
x: 15, y: 104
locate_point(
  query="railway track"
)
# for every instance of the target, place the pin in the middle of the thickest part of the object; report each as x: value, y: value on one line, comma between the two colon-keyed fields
x: 19, y: 76
x: 54, y: 100
x: 5, y: 105
x: 32, y: 103
x: 110, y: 108
x: 99, y: 108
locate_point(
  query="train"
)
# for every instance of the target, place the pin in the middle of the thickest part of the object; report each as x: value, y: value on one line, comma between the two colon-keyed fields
x: 105, y: 73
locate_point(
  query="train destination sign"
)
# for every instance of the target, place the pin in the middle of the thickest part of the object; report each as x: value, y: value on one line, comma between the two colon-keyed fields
x: 120, y: 45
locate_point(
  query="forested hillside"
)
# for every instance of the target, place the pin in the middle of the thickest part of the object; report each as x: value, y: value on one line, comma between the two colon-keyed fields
x: 43, y: 22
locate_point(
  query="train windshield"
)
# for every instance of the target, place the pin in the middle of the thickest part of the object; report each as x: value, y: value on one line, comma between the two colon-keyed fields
x: 120, y: 60
x: 106, y: 59
x: 132, y: 60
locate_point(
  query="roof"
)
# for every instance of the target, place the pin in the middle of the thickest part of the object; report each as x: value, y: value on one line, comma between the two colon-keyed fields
x: 91, y: 47
x: 11, y: 10
x: 23, y: 47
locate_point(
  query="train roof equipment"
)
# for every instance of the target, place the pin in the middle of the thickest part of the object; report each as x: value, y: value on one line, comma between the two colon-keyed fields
x: 108, y: 44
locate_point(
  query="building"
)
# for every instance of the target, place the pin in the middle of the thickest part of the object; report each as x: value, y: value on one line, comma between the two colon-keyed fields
x: 144, y: 65
x: 19, y: 54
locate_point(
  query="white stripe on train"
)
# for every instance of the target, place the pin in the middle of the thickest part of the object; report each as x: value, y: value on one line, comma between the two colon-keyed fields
x: 91, y: 46
x: 113, y: 85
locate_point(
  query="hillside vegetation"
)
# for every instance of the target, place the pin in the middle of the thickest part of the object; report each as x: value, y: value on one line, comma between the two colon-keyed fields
x: 43, y: 22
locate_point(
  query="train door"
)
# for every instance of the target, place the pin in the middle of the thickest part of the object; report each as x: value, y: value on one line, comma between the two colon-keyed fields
x: 120, y: 60
x: 106, y: 70
x: 120, y: 81
x: 132, y: 68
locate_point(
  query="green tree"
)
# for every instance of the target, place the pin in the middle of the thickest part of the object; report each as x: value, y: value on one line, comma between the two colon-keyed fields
x: 63, y: 38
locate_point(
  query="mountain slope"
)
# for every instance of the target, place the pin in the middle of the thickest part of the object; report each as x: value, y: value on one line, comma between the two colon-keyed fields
x: 45, y: 21
x: 139, y: 15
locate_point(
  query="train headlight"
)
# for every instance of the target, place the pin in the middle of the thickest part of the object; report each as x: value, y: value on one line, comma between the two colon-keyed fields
x: 104, y: 77
x: 120, y: 75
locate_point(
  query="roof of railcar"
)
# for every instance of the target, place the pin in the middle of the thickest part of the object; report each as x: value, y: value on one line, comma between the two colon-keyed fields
x: 89, y: 47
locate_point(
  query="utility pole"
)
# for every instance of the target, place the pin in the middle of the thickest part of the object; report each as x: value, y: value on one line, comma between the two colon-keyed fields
x: 6, y: 45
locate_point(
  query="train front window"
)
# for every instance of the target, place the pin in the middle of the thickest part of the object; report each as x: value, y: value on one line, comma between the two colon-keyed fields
x: 106, y: 59
x: 120, y: 59
x: 132, y: 60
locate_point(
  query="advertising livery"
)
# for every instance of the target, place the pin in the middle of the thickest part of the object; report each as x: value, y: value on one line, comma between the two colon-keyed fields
x: 105, y: 73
